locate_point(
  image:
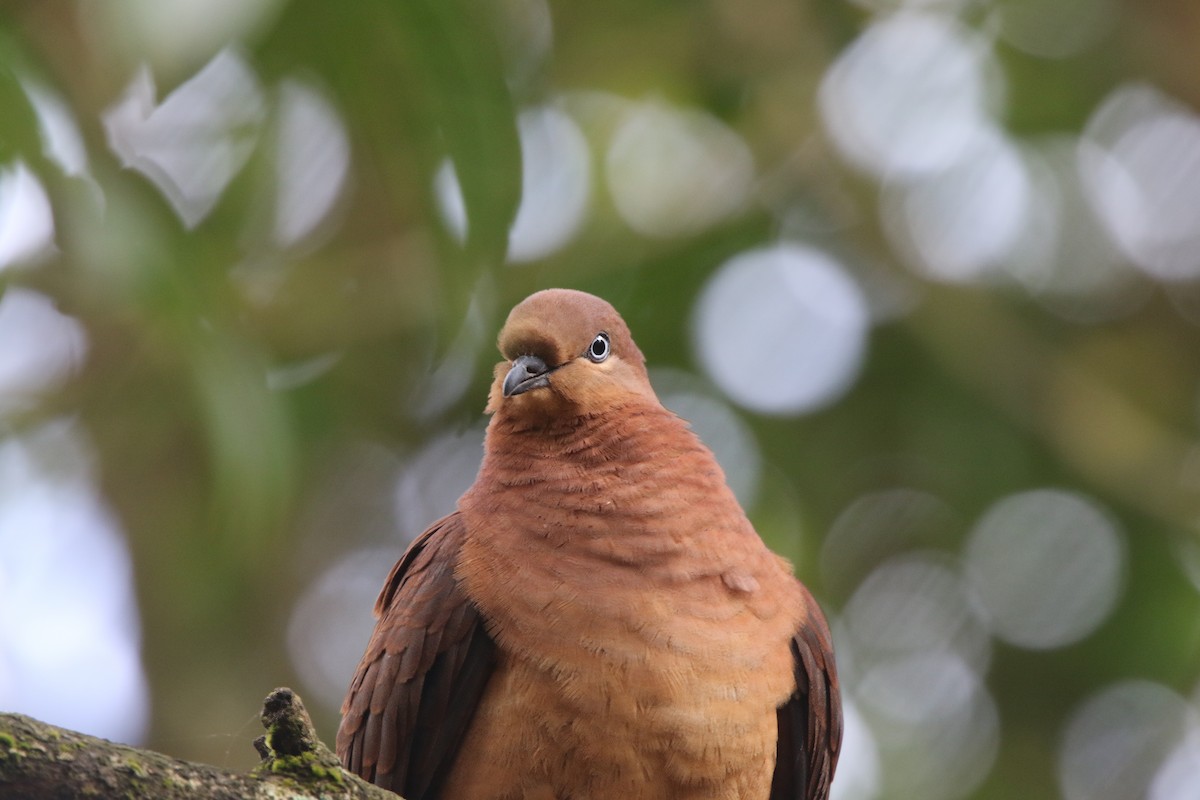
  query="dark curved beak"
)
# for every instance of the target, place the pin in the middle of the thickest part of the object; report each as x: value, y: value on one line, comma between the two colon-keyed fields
x: 526, y: 372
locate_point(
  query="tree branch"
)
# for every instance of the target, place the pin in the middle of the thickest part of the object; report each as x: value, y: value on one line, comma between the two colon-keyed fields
x: 45, y: 762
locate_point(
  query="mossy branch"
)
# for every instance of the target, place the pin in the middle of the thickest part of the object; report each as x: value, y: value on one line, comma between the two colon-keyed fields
x: 43, y: 762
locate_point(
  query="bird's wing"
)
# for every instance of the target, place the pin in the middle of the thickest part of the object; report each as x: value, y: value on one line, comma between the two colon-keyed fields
x: 418, y: 684
x: 810, y: 722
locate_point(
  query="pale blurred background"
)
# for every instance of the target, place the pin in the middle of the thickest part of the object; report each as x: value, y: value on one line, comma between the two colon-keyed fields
x: 925, y: 275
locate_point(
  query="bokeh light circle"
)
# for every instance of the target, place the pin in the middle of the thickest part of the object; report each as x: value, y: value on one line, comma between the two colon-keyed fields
x: 1142, y: 171
x: 1047, y: 566
x: 858, y: 771
x: 877, y: 525
x: 916, y: 603
x: 556, y: 184
x: 1119, y: 739
x: 435, y: 477
x: 556, y: 181
x: 26, y: 219
x: 193, y: 143
x: 781, y: 330
x: 312, y: 164
x: 959, y: 224
x: 674, y: 172
x: 909, y: 96
x: 1179, y: 774
x: 42, y: 348
x: 937, y: 726
x: 70, y: 628
x: 332, y: 621
x: 1065, y: 257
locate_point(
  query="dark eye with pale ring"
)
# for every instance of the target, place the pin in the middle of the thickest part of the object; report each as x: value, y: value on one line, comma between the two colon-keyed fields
x: 599, y: 349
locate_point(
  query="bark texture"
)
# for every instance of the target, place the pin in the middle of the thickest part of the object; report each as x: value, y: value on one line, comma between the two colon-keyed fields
x: 44, y: 762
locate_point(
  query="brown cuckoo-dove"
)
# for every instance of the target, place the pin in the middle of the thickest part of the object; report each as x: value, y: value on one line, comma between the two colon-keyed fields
x: 598, y: 619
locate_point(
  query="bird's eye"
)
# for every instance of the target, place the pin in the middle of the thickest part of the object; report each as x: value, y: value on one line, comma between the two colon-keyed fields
x: 599, y: 349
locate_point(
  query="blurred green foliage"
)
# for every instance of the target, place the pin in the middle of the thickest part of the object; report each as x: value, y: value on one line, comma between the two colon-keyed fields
x: 223, y: 485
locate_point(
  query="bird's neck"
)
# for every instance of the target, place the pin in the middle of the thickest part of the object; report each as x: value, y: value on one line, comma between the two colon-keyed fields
x: 517, y: 445
x: 632, y: 473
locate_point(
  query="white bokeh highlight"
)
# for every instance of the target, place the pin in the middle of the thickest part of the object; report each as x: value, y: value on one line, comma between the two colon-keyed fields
x: 859, y: 772
x: 26, y: 218
x: 782, y: 329
x: 909, y: 96
x: 1047, y: 566
x: 1179, y: 774
x: 916, y: 604
x: 192, y: 144
x: 936, y: 725
x: 912, y: 652
x: 959, y: 224
x: 675, y: 172
x: 1065, y: 257
x: 877, y: 525
x: 332, y: 621
x: 69, y: 626
x: 312, y: 161
x: 62, y: 142
x: 1141, y: 167
x: 1117, y: 745
x: 556, y: 186
x: 42, y: 348
x: 433, y: 478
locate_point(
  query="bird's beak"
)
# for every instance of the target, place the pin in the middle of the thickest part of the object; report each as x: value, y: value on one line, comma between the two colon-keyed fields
x: 526, y: 372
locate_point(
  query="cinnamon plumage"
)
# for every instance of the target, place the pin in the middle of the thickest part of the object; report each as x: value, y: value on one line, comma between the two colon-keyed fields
x: 598, y: 619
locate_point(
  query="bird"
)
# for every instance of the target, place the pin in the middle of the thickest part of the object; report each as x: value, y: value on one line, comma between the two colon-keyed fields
x: 598, y: 618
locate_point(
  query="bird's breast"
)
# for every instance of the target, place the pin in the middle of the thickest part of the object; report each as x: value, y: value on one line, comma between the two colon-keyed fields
x: 670, y: 639
x: 631, y: 601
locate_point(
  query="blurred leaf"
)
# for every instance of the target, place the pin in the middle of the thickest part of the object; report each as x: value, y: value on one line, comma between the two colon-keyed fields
x: 18, y: 124
x: 251, y: 447
x: 468, y: 104
x: 445, y: 97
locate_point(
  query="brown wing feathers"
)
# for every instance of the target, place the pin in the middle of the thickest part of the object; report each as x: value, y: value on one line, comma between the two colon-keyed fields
x: 423, y: 673
x: 810, y: 723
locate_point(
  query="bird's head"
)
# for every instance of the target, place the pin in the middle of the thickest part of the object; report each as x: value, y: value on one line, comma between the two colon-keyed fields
x: 566, y: 353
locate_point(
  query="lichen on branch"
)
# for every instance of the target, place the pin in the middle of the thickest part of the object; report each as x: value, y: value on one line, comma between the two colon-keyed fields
x: 44, y: 762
